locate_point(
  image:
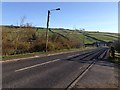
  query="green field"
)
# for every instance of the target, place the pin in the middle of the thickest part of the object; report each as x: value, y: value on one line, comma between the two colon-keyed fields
x: 94, y: 36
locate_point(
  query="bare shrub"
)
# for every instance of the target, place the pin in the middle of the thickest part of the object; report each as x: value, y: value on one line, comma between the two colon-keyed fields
x: 117, y: 44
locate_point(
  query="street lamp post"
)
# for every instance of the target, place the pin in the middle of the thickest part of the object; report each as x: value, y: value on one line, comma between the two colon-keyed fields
x: 48, y: 19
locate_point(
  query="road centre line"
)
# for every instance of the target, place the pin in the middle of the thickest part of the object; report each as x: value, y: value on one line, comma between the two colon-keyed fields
x: 36, y: 65
x: 72, y: 56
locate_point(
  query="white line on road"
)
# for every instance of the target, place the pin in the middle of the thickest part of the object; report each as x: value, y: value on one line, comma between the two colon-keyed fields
x: 70, y: 56
x: 36, y: 65
x: 73, y: 55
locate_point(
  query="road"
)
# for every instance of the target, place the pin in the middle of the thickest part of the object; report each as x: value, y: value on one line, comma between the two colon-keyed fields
x: 56, y: 71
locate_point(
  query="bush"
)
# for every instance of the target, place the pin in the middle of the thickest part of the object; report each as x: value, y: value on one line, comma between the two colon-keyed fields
x: 38, y: 45
x: 117, y: 44
x: 28, y: 39
x: 22, y: 47
x: 8, y: 48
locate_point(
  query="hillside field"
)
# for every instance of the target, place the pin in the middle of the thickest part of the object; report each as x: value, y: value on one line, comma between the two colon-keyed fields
x: 16, y: 40
x: 83, y: 36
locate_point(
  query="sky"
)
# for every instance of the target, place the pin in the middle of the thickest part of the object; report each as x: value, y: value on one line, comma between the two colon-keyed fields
x: 92, y: 16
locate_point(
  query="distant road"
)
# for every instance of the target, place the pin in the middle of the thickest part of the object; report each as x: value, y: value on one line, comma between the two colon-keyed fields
x: 56, y: 71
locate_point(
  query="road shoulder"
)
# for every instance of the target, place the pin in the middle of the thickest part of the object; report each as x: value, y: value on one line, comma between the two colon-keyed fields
x: 103, y: 74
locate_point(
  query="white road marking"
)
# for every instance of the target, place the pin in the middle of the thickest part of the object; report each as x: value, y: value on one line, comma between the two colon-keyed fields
x: 36, y: 65
x: 71, y: 56
x: 80, y: 68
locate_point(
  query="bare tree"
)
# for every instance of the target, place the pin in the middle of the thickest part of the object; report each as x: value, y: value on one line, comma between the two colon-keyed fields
x: 22, y: 21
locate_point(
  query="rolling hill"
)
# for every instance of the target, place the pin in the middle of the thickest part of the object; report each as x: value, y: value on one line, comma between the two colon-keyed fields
x: 17, y: 39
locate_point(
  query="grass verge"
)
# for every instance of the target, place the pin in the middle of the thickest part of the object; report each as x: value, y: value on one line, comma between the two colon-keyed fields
x: 116, y: 59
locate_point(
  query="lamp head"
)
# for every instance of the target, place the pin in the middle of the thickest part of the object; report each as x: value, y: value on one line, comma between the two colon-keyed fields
x: 58, y: 9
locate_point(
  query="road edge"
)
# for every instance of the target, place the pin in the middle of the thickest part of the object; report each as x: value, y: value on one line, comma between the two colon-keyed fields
x: 38, y: 56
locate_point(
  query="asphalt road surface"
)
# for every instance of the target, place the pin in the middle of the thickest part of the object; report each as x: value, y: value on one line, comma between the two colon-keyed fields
x: 56, y: 71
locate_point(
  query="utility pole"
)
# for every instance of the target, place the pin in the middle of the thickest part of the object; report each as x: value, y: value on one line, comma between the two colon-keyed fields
x: 47, y: 30
x: 48, y: 19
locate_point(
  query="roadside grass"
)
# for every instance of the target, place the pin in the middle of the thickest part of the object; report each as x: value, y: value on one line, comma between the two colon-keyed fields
x: 5, y: 57
x: 116, y: 59
x: 0, y: 57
